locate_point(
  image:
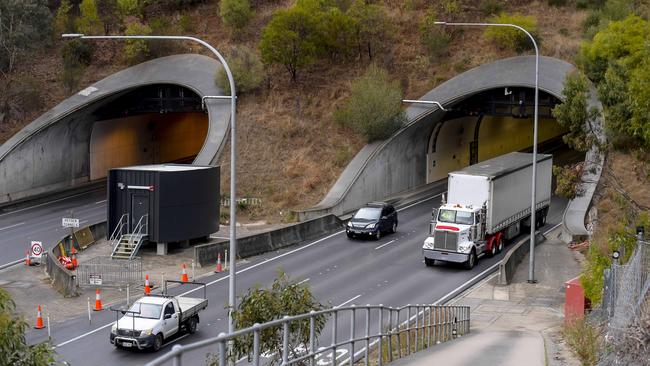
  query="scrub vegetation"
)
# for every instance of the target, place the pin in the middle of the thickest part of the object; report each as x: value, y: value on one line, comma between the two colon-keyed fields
x: 291, y: 147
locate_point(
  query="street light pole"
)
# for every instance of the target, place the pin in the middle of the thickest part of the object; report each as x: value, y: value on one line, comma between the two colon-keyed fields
x: 531, y: 266
x: 233, y: 152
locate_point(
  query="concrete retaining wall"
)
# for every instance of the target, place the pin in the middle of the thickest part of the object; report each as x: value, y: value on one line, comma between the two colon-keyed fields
x: 248, y: 246
x: 514, y: 256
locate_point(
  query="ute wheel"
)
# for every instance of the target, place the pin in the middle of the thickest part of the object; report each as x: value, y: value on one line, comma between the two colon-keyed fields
x: 471, y: 262
x: 191, y: 325
x: 394, y: 228
x: 157, y: 343
x: 429, y: 262
x: 378, y: 235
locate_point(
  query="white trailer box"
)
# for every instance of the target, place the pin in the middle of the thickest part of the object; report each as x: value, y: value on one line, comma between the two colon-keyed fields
x: 503, y: 184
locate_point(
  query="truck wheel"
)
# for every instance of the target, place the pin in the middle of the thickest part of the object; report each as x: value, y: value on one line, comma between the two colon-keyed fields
x: 493, y: 247
x: 191, y: 325
x: 499, y: 244
x: 429, y: 262
x: 157, y: 343
x: 471, y: 261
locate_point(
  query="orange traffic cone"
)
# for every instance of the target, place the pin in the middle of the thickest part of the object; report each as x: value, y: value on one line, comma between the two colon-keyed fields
x: 98, y: 301
x: 147, y: 288
x: 28, y: 260
x: 74, y: 257
x: 184, y: 274
x: 39, y: 319
x: 219, y: 268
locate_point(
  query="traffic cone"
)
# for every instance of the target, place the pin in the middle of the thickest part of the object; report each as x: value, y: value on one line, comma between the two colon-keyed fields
x: 184, y: 274
x: 147, y: 288
x: 98, y: 301
x: 74, y: 257
x: 28, y: 260
x: 219, y: 269
x: 39, y: 319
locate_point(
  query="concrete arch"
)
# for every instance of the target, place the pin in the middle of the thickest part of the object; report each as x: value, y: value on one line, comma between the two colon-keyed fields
x: 385, y: 168
x: 52, y: 152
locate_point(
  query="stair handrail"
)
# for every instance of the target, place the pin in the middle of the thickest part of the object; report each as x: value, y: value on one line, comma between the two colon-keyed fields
x: 119, y: 230
x: 142, y: 225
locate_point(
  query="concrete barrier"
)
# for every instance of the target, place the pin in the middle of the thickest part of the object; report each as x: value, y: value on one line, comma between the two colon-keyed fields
x: 62, y: 279
x: 514, y: 256
x: 248, y: 246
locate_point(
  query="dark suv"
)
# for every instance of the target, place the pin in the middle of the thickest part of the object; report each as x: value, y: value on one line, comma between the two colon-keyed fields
x: 372, y: 220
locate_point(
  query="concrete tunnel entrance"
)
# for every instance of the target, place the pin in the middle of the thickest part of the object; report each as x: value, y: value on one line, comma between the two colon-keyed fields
x: 486, y: 125
x: 152, y: 124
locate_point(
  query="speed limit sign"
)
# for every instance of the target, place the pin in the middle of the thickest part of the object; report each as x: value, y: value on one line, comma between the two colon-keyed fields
x: 37, y: 249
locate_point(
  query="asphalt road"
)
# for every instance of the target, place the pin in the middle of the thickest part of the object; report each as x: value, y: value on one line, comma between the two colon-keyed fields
x: 339, y: 270
x: 43, y: 223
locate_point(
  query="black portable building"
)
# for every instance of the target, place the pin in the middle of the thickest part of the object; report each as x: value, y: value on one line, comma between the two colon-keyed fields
x: 182, y: 200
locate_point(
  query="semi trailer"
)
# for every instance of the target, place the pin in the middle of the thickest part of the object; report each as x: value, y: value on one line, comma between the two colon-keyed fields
x: 487, y: 204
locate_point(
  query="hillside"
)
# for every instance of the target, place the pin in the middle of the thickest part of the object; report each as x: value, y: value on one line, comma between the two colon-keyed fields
x: 289, y: 146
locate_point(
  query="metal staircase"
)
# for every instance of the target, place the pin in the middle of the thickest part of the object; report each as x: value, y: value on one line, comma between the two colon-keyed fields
x: 125, y: 244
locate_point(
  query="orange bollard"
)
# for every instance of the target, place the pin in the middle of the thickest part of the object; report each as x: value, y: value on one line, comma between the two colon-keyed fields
x: 98, y: 301
x: 184, y: 274
x: 39, y: 319
x: 219, y: 268
x: 74, y: 258
x: 147, y: 288
x: 28, y: 260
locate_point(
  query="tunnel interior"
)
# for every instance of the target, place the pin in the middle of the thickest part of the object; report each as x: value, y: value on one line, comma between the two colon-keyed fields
x: 489, y: 124
x: 152, y: 124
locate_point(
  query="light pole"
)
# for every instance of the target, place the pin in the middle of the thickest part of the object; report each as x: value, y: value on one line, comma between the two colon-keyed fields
x: 531, y: 267
x: 233, y: 151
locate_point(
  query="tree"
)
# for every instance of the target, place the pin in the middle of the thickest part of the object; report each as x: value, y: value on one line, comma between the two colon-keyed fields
x: 573, y: 113
x: 337, y: 33
x: 246, y: 68
x: 63, y: 20
x: 76, y: 55
x: 262, y: 305
x: 371, y: 26
x: 290, y: 39
x: 434, y: 38
x: 374, y: 107
x: 511, y: 38
x: 235, y: 13
x: 136, y: 50
x: 109, y: 14
x: 88, y: 22
x: 22, y: 26
x: 13, y: 347
x: 130, y: 7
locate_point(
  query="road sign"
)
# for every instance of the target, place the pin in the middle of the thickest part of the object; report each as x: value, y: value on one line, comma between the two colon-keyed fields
x: 70, y: 222
x: 36, y: 249
x: 95, y: 279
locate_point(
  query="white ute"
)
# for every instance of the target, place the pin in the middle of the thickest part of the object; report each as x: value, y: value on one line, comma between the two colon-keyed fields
x: 155, y: 318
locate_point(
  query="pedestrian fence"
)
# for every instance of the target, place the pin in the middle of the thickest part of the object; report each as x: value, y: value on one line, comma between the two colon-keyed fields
x: 627, y: 289
x: 106, y: 271
x: 373, y: 332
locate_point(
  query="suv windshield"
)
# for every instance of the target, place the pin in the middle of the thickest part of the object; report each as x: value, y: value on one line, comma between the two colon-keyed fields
x: 368, y: 213
x: 148, y: 311
x: 456, y: 217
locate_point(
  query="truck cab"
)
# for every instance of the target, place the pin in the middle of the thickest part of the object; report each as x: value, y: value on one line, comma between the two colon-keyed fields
x: 455, y: 235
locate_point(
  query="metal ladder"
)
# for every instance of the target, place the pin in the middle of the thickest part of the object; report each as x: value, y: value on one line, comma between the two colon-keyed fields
x: 128, y: 244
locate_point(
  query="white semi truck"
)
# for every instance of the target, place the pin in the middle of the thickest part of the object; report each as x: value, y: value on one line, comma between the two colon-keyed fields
x: 487, y: 203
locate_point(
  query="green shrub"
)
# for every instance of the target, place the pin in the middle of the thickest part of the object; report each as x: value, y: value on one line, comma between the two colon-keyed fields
x: 568, y: 179
x: 130, y: 7
x: 162, y: 26
x: 246, y: 68
x: 511, y: 38
x: 374, y: 107
x: 186, y: 24
x: 63, y: 20
x: 584, y: 339
x: 337, y: 33
x: 136, y: 50
x: 573, y: 113
x: 109, y: 14
x: 491, y: 7
x: 557, y: 3
x: 235, y: 13
x: 89, y: 22
x: 76, y: 55
x: 434, y: 38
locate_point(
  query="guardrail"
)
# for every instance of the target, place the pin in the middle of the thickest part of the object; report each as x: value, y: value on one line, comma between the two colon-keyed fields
x: 422, y: 326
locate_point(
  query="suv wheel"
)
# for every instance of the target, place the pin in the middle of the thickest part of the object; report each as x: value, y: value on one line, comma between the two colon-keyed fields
x: 378, y: 235
x: 394, y: 228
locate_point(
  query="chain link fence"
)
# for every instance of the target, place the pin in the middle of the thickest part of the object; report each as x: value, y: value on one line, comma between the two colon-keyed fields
x: 626, y: 309
x: 106, y: 271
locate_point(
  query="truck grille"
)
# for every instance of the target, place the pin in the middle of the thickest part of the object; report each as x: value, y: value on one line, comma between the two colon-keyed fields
x: 128, y: 332
x: 445, y: 240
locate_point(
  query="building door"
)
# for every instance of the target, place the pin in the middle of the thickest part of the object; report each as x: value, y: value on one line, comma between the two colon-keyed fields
x: 139, y: 208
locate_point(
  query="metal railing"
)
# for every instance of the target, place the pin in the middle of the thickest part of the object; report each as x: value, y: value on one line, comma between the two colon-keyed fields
x: 397, y: 333
x: 106, y: 271
x: 142, y: 227
x: 117, y: 233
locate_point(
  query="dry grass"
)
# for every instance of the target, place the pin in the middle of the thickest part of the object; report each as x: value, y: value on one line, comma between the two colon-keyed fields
x: 290, y: 150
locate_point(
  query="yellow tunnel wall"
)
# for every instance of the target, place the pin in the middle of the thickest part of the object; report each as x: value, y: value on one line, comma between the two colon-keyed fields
x: 145, y: 139
x: 497, y: 136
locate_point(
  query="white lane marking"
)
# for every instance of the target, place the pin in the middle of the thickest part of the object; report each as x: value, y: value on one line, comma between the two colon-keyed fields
x: 83, y: 222
x: 12, y: 226
x: 242, y: 271
x: 99, y: 202
x: 175, y: 340
x: 418, y: 202
x: 383, y: 245
x: 44, y: 203
x: 303, y: 281
x: 347, y: 302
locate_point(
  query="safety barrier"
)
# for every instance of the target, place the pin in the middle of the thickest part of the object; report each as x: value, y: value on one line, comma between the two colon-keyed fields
x: 106, y: 271
x: 514, y: 256
x: 398, y: 333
